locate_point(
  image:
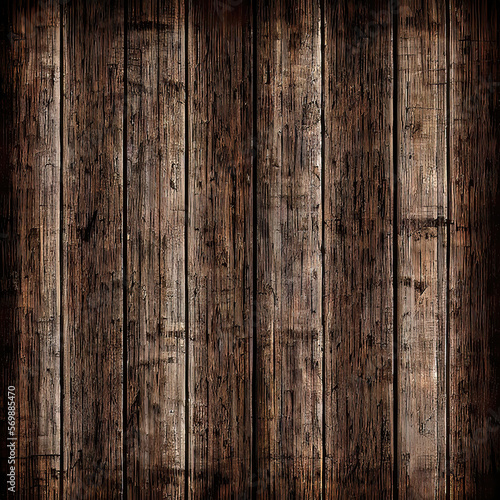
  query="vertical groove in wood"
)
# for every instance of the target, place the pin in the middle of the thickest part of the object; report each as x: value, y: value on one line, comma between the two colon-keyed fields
x: 93, y: 232
x: 30, y: 224
x: 358, y: 249
x: 156, y: 341
x: 10, y: 257
x: 61, y: 250
x: 256, y: 484
x: 323, y: 250
x: 395, y: 248
x: 421, y: 239
x: 125, y: 260
x: 187, y: 437
x: 220, y: 248
x: 475, y: 249
x: 289, y: 302
x: 448, y: 246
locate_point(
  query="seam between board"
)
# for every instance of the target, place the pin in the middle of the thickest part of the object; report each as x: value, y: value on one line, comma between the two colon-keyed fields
x: 61, y: 241
x: 186, y: 248
x: 125, y: 255
x: 395, y: 254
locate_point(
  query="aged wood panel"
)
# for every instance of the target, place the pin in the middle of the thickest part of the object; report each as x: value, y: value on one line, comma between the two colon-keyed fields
x: 474, y: 249
x: 30, y: 220
x: 156, y: 225
x: 289, y: 274
x: 220, y: 248
x: 31, y: 158
x: 422, y: 253
x: 9, y: 241
x: 358, y: 300
x: 93, y: 51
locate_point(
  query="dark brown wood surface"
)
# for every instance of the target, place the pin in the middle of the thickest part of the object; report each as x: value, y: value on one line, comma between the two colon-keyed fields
x: 474, y: 394
x: 288, y: 309
x: 358, y: 206
x: 92, y: 270
x: 219, y: 239
x: 250, y: 249
x: 155, y: 265
x: 30, y: 239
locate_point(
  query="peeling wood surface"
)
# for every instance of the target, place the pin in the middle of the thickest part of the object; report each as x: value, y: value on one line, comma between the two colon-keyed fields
x: 250, y: 249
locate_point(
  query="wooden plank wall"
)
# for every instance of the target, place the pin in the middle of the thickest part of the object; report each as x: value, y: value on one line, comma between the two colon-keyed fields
x: 249, y: 249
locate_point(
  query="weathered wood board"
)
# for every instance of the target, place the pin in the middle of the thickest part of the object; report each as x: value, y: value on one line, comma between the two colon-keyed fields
x: 358, y: 264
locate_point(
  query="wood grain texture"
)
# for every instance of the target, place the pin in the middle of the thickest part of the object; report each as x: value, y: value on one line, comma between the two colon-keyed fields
x: 92, y: 236
x: 422, y: 254
x: 9, y: 242
x: 30, y: 219
x: 234, y: 193
x: 475, y: 249
x: 156, y: 225
x: 358, y: 300
x: 220, y: 249
x: 289, y: 310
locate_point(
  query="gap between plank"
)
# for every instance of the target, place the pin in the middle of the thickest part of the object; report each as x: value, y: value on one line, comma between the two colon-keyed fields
x: 186, y: 249
x: 255, y: 472
x: 448, y: 251
x: 395, y: 253
x: 61, y: 260
x: 125, y: 256
x: 323, y: 290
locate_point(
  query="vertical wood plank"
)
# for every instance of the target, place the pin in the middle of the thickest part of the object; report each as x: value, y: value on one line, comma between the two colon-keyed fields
x: 30, y: 220
x: 9, y: 242
x: 93, y: 262
x: 358, y: 304
x: 289, y: 274
x: 474, y: 249
x: 220, y: 248
x: 172, y: 96
x: 422, y: 255
x: 156, y: 225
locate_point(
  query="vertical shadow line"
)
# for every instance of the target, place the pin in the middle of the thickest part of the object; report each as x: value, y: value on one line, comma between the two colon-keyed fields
x: 395, y: 253
x: 186, y: 248
x: 61, y: 240
x: 323, y: 319
x: 448, y: 248
x: 160, y: 184
x: 125, y: 254
x: 255, y: 461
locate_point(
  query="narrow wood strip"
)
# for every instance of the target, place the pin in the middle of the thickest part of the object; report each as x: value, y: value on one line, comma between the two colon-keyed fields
x: 171, y: 105
x: 30, y: 257
x: 92, y: 276
x: 474, y: 249
x: 358, y: 302
x: 289, y: 263
x: 422, y: 266
x: 156, y: 353
x: 220, y: 248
